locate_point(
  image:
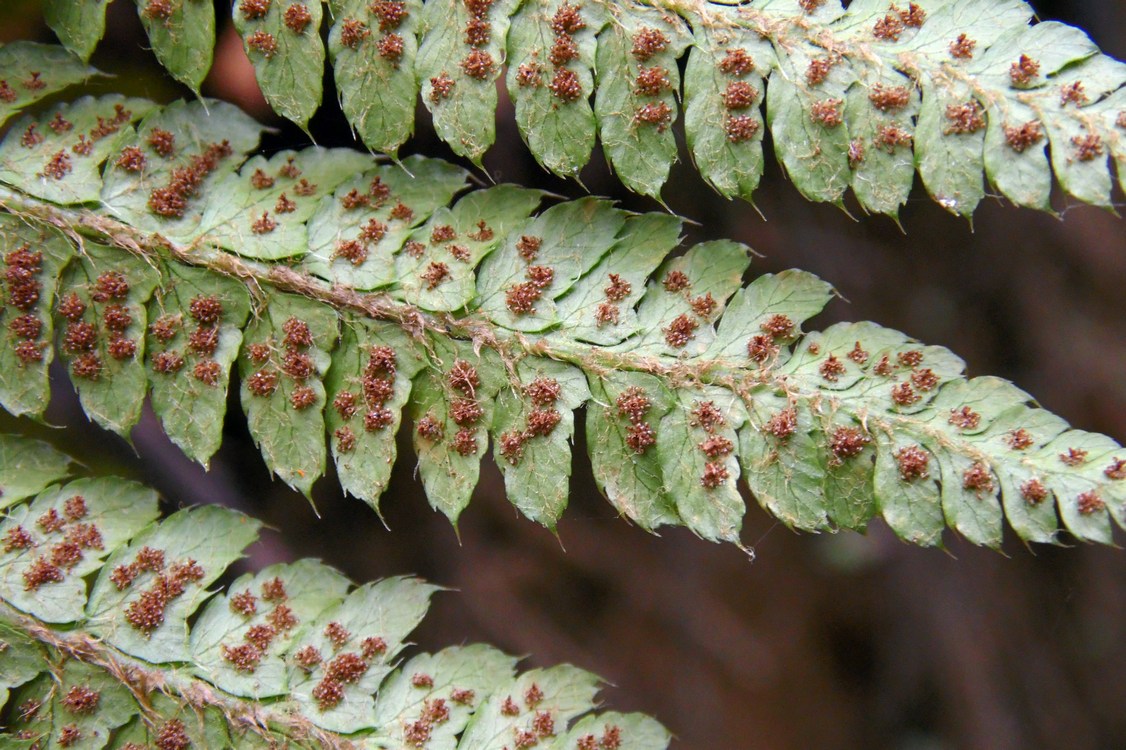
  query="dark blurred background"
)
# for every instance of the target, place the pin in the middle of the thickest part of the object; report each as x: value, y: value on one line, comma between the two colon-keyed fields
x: 833, y: 641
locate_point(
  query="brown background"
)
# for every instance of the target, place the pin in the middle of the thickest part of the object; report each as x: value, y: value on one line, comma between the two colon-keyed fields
x: 834, y: 641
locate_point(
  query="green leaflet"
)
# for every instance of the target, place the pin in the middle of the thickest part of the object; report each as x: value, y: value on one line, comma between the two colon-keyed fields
x: 100, y: 324
x: 283, y: 361
x: 697, y: 448
x: 518, y: 287
x: 368, y: 385
x: 182, y: 36
x: 59, y: 156
x: 551, y: 51
x: 437, y: 271
x: 284, y: 44
x: 562, y: 692
x: 386, y: 612
x: 686, y: 296
x: 355, y: 244
x: 452, y: 409
x: 30, y: 72
x: 636, y: 102
x: 211, y: 537
x: 373, y: 58
x: 315, y: 663
x: 27, y: 467
x: 262, y: 610
x: 261, y: 211
x: 115, y: 706
x: 34, y: 257
x: 79, y: 24
x: 533, y: 428
x: 461, y: 678
x: 636, y: 731
x: 206, y: 138
x: 196, y: 321
x: 827, y: 425
x: 599, y: 308
x: 626, y: 408
x: 723, y: 90
x: 459, y: 60
x: 70, y: 529
x: 817, y: 65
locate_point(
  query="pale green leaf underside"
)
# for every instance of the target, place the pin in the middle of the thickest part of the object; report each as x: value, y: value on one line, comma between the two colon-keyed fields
x: 495, y: 319
x: 961, y: 91
x: 315, y: 659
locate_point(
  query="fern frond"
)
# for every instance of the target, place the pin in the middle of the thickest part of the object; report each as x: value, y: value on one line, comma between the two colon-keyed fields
x: 858, y: 98
x: 292, y: 656
x: 350, y: 290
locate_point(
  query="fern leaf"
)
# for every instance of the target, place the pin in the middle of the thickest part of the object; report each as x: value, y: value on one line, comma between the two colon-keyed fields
x: 30, y: 72
x: 495, y: 319
x: 293, y: 655
x: 855, y: 98
x: 182, y: 36
x: 284, y: 45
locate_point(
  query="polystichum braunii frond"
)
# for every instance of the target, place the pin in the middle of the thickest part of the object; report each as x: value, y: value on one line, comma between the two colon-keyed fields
x: 855, y: 98
x: 348, y: 291
x: 96, y: 649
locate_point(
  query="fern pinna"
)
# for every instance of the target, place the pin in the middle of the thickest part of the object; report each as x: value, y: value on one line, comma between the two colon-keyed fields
x: 858, y: 98
x: 145, y: 248
x: 292, y: 656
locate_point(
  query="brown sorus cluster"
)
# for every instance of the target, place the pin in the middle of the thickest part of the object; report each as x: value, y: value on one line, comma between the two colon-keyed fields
x: 680, y: 331
x: 828, y: 112
x: 977, y: 478
x: 1116, y: 470
x: 965, y: 418
x: 889, y: 28
x: 1089, y: 503
x: 435, y: 274
x: 658, y: 114
x: 132, y: 159
x: 648, y: 42
x: 171, y: 200
x: 891, y: 137
x: 172, y: 735
x: 1073, y: 93
x: 391, y: 13
x: 521, y: 298
x: 60, y: 124
x: 441, y: 86
x: 1021, y: 137
x: 163, y: 142
x: 528, y: 247
x: 23, y: 267
x: 889, y: 98
x: 965, y: 118
x: 565, y: 85
x: 80, y: 699
x: 855, y: 153
x: 1033, y: 491
x: 962, y: 48
x: 913, y: 462
x: 1023, y: 71
x: 541, y: 421
x: 761, y: 347
x: 783, y: 423
x: 7, y: 93
x: 529, y: 75
x: 633, y: 404
x: 146, y: 613
x: 819, y: 68
x: 353, y: 32
x: 1087, y: 147
x: 652, y: 81
x: 297, y: 18
x: 1019, y: 439
x: 478, y: 64
x: 846, y: 442
x: 463, y: 377
x: 57, y: 167
x: 832, y: 368
x: 391, y: 48
x: 254, y: 9
x: 706, y: 416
